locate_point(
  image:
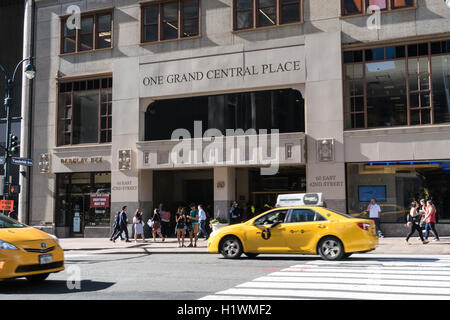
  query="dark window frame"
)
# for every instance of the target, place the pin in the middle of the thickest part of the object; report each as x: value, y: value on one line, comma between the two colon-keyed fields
x: 95, y: 33
x: 255, y: 20
x: 407, y: 74
x: 365, y: 4
x: 104, y: 83
x: 180, y: 20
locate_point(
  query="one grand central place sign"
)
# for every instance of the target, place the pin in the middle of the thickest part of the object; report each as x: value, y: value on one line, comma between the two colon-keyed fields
x: 223, y: 72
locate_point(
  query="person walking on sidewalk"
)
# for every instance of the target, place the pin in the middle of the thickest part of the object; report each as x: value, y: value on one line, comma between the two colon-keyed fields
x: 375, y: 214
x: 138, y: 225
x: 116, y: 227
x: 202, y: 218
x: 430, y: 221
x: 235, y: 213
x: 413, y: 222
x: 180, y: 219
x: 123, y: 225
x: 156, y: 225
x: 193, y: 217
x: 165, y: 220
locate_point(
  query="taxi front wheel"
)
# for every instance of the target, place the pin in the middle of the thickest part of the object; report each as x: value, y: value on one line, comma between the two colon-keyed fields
x: 331, y: 248
x: 231, y: 247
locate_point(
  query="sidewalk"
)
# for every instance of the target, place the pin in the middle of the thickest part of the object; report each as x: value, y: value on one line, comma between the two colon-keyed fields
x: 73, y: 246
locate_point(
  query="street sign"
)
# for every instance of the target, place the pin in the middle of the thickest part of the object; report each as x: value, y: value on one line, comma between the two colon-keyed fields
x: 22, y: 161
x: 7, y: 205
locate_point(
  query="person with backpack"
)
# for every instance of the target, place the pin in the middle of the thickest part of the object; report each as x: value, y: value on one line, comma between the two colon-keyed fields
x: 413, y: 220
x: 116, y: 227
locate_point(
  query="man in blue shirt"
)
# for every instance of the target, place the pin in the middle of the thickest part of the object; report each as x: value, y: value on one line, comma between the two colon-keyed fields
x: 202, y: 221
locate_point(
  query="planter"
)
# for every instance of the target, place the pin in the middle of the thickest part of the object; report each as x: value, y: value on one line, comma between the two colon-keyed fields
x: 217, y: 226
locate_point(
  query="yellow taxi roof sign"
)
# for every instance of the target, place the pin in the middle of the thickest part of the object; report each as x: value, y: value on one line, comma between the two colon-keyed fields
x: 300, y: 199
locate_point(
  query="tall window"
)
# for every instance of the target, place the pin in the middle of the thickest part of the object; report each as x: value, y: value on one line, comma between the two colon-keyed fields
x: 249, y: 14
x: 95, y: 33
x: 85, y: 111
x: 170, y: 20
x: 352, y: 7
x: 398, y: 85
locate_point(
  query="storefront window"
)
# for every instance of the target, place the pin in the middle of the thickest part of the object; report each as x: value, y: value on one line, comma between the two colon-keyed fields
x: 395, y: 185
x: 397, y: 85
x: 83, y: 199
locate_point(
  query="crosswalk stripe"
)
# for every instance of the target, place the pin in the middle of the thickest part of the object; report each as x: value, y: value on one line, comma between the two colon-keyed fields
x: 409, y: 282
x: 437, y: 272
x: 346, y: 287
x: 379, y: 279
x: 269, y: 293
x: 356, y: 275
x: 231, y: 297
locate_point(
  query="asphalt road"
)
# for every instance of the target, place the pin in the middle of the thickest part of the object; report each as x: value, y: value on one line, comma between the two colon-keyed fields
x: 178, y: 276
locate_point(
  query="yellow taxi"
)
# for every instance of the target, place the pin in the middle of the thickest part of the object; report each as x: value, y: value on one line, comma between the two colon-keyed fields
x: 27, y: 252
x: 301, y: 229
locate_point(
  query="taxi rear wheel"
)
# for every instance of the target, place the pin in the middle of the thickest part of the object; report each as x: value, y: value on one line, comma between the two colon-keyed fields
x: 38, y: 277
x: 231, y: 247
x: 331, y: 248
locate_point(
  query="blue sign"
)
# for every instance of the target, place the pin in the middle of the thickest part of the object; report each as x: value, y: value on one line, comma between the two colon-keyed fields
x: 22, y: 161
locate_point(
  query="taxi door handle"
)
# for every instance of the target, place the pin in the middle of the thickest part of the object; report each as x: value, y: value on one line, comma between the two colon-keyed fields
x: 321, y: 226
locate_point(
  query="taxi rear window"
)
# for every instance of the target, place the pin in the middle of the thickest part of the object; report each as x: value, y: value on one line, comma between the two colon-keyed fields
x: 342, y: 214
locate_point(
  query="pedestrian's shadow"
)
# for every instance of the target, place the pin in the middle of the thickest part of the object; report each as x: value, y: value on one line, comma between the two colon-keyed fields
x: 24, y: 287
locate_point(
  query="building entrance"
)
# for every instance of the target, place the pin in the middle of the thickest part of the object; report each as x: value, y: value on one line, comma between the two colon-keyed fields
x: 181, y: 188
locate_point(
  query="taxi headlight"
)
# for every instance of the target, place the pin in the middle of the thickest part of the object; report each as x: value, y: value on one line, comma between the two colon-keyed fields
x: 7, y: 246
x: 56, y: 239
x: 214, y: 233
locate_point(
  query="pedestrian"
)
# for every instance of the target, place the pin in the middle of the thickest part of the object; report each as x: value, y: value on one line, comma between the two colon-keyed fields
x: 375, y: 214
x: 123, y: 225
x: 202, y: 218
x: 209, y: 214
x: 165, y: 220
x: 116, y: 227
x: 13, y: 215
x: 156, y: 225
x: 413, y: 221
x: 235, y: 213
x: 422, y: 211
x: 193, y: 217
x: 180, y: 219
x: 138, y: 226
x: 430, y: 220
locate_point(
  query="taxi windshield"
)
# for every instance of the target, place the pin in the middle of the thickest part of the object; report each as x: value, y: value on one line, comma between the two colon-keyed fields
x: 6, y: 222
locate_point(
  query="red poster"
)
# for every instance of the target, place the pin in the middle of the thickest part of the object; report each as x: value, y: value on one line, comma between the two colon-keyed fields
x: 99, y: 200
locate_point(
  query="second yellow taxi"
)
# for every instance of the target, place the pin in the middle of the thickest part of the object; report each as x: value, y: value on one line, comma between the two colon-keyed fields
x: 301, y: 229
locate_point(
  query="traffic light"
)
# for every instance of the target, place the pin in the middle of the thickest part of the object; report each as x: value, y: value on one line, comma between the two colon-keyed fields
x: 14, y: 189
x: 14, y: 147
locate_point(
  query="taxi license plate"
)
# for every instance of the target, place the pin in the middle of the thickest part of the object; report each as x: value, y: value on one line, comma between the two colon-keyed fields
x: 45, y: 259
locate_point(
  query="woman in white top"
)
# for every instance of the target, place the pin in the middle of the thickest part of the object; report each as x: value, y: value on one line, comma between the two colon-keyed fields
x: 138, y: 225
x: 413, y: 222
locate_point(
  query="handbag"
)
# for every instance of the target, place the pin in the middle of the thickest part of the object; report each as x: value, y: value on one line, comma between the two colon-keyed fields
x: 150, y: 223
x: 156, y: 225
